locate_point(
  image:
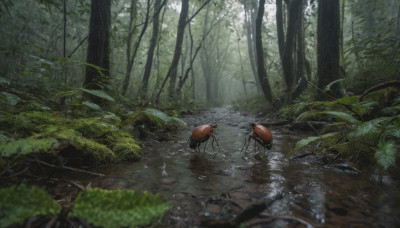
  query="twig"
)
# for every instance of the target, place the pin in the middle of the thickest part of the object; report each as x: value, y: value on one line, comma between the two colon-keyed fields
x: 69, y: 168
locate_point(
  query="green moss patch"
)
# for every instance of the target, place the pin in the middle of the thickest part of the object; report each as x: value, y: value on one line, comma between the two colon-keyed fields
x: 93, y: 127
x: 18, y: 203
x: 124, y: 146
x: 119, y: 208
x: 155, y: 118
x: 26, y: 146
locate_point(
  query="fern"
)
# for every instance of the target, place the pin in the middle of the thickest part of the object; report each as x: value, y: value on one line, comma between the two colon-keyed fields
x: 98, y: 93
x: 386, y: 154
x: 344, y: 116
x: 304, y: 142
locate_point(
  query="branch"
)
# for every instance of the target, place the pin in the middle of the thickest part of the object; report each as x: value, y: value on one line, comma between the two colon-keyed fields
x: 395, y: 83
x: 69, y: 168
x: 191, y: 18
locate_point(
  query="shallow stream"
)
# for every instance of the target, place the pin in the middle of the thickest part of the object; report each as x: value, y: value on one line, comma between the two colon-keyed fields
x: 219, y: 185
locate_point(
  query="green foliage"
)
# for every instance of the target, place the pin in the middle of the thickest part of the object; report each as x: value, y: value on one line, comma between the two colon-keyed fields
x: 124, y: 146
x: 92, y: 127
x: 18, y: 203
x: 156, y: 118
x: 98, y: 93
x: 27, y: 145
x: 360, y: 128
x: 119, y: 208
x: 386, y: 153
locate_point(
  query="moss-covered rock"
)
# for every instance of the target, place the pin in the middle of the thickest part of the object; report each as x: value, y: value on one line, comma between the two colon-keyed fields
x: 92, y: 127
x: 118, y: 208
x: 97, y: 153
x: 18, y: 203
x: 124, y: 146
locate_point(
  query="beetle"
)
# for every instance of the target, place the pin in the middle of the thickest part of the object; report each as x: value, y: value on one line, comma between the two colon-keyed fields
x: 201, y: 134
x: 262, y: 135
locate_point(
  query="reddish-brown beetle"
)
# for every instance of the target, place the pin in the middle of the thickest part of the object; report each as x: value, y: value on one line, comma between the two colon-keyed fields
x: 260, y: 134
x: 201, y: 134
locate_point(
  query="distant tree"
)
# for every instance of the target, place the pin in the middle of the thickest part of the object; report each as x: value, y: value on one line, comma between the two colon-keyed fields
x: 250, y: 10
x: 262, y: 73
x: 153, y: 43
x: 98, y: 52
x: 279, y: 28
x: 131, y: 53
x: 172, y: 71
x: 328, y: 45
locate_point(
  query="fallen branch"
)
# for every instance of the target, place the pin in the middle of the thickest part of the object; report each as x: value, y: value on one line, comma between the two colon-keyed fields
x: 395, y: 83
x: 69, y: 168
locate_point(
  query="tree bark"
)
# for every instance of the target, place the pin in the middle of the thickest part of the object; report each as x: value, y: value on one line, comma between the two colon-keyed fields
x: 250, y: 48
x: 98, y: 52
x: 131, y: 58
x: 172, y: 71
x: 288, y: 60
x: 279, y: 28
x: 262, y: 73
x: 152, y: 47
x: 328, y: 46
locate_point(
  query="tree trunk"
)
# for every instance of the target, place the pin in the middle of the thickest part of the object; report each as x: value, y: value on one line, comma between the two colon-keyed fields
x: 98, y: 52
x: 262, y: 73
x: 178, y: 48
x: 131, y: 58
x: 301, y: 58
x: 152, y: 47
x: 279, y: 28
x: 288, y: 61
x: 328, y: 46
x: 250, y: 45
x: 177, y: 54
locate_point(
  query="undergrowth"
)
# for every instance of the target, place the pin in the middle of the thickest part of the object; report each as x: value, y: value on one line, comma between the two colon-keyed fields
x: 366, y: 130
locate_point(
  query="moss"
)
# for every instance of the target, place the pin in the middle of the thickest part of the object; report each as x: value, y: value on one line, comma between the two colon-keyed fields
x: 118, y: 208
x: 92, y: 127
x: 124, y: 146
x: 18, y: 203
x: 154, y: 118
x: 28, y: 123
x: 96, y: 152
x: 26, y: 146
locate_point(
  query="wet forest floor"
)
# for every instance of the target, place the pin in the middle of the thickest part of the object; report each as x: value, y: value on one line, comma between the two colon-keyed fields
x: 225, y: 187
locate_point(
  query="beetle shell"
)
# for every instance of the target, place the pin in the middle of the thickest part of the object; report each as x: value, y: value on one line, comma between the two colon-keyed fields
x: 202, y: 132
x: 263, y: 133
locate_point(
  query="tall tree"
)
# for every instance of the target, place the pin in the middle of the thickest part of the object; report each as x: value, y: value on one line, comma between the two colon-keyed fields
x: 98, y: 52
x: 262, y: 73
x: 289, y: 50
x: 172, y: 71
x: 328, y: 29
x: 152, y: 47
x: 131, y: 55
x: 279, y: 28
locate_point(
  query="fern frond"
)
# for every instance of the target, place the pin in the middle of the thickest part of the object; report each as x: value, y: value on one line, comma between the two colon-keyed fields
x: 304, y: 142
x: 344, y: 116
x: 386, y: 153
